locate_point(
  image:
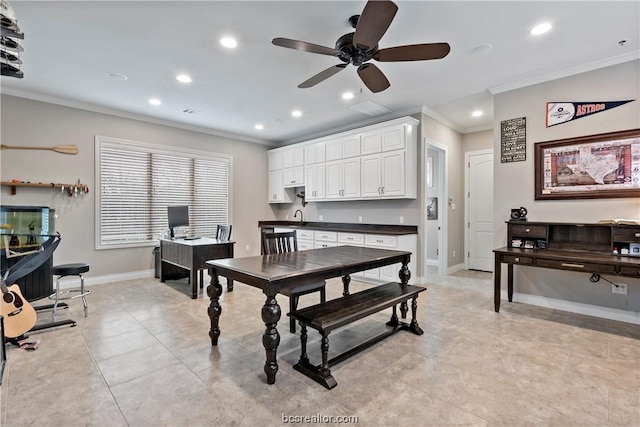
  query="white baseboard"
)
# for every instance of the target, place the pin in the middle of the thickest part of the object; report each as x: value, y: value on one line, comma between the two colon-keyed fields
x: 575, y: 307
x: 455, y: 268
x: 74, y: 281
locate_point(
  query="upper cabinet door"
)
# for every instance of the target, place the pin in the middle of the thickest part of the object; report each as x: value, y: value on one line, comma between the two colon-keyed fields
x: 371, y: 142
x: 275, y: 160
x: 333, y: 150
x: 393, y: 138
x: 351, y: 146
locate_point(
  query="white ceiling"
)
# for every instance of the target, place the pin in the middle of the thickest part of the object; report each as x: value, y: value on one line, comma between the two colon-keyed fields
x: 71, y: 47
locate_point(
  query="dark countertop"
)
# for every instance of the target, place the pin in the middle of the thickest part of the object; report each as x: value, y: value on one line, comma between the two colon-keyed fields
x: 397, y: 230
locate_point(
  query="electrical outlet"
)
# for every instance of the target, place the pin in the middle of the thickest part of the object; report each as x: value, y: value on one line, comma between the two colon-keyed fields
x: 247, y: 248
x: 620, y: 289
x: 320, y: 218
x: 454, y: 254
x: 286, y: 217
x: 401, y: 220
x: 360, y: 218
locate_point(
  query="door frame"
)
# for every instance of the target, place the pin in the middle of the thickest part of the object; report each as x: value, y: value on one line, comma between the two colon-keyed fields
x: 466, y: 205
x: 442, y: 205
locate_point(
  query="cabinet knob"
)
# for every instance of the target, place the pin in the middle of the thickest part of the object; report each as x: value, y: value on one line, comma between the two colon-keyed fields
x: 527, y: 230
x: 637, y: 234
x: 517, y: 259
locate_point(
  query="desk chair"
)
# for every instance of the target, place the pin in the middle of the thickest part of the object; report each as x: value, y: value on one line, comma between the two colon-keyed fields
x: 223, y: 232
x: 275, y: 243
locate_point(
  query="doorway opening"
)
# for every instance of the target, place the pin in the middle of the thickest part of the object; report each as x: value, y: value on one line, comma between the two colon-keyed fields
x: 434, y: 208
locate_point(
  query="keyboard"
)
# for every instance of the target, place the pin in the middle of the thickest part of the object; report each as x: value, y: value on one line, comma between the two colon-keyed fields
x: 192, y: 238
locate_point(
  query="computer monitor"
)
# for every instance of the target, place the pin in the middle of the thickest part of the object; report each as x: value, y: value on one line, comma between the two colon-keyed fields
x: 178, y: 217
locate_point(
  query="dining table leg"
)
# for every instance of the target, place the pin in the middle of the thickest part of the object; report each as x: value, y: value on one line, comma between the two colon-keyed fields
x: 271, y: 338
x: 214, y: 290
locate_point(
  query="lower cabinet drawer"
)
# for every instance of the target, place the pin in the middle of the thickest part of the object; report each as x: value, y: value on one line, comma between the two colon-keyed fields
x: 326, y: 236
x: 351, y: 239
x: 576, y: 266
x: 525, y: 230
x: 630, y: 271
x: 512, y: 259
x: 380, y: 241
x: 304, y: 245
x: 319, y: 245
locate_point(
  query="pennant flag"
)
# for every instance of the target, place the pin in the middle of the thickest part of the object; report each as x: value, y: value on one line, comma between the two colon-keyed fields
x: 562, y: 112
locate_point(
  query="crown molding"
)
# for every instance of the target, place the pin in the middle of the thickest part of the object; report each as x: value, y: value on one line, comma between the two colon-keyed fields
x: 118, y: 113
x: 566, y: 72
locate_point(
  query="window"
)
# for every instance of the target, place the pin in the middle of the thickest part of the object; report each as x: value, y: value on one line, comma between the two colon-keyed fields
x: 135, y: 182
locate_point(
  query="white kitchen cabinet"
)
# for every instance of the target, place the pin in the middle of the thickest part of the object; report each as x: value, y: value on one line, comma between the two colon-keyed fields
x: 315, y: 181
x: 277, y: 192
x: 293, y: 166
x: 383, y: 175
x: 343, y: 179
x: 348, y: 171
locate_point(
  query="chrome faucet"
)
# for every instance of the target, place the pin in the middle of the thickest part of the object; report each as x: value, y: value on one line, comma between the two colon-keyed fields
x: 295, y: 215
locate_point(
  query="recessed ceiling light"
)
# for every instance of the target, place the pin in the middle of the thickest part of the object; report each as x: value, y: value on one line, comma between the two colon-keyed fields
x: 477, y: 113
x: 296, y: 113
x: 347, y: 95
x: 154, y: 101
x: 540, y: 29
x: 481, y: 48
x: 228, y: 42
x: 259, y: 127
x: 117, y: 76
x: 183, y: 78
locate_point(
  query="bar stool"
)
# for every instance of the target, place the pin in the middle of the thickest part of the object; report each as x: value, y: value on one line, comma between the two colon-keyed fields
x: 64, y: 270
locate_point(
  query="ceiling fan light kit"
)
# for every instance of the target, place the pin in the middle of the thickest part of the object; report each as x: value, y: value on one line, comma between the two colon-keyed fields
x: 361, y: 46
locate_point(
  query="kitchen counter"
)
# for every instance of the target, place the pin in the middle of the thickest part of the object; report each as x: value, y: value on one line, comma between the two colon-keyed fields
x: 396, y: 230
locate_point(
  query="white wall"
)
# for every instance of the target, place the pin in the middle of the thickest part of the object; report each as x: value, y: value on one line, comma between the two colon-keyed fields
x: 514, y: 182
x: 28, y: 122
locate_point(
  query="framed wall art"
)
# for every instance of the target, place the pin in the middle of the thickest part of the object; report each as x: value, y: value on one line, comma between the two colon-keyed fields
x: 606, y: 165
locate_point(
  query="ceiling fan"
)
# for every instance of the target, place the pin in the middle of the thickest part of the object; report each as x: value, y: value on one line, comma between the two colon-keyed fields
x: 361, y: 46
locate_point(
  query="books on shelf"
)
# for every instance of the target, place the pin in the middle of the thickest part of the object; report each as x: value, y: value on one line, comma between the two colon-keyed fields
x: 621, y: 221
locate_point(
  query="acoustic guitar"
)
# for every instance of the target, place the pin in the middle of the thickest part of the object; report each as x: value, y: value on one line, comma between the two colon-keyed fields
x: 19, y: 315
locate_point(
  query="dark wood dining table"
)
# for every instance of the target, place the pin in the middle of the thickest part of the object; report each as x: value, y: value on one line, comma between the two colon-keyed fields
x: 273, y: 273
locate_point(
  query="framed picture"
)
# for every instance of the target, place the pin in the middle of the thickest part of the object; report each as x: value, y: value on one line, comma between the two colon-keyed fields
x: 606, y: 165
x: 432, y: 208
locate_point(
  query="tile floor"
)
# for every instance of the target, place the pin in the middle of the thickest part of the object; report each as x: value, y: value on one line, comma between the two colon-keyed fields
x: 143, y: 358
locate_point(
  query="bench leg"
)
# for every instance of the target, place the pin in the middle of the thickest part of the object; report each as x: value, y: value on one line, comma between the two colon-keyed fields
x: 405, y: 276
x: 345, y: 285
x: 394, y: 318
x: 324, y: 346
x: 304, y: 358
x: 413, y: 326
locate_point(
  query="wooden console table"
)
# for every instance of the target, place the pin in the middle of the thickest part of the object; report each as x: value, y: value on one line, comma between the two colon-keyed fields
x: 584, y: 248
x: 192, y: 255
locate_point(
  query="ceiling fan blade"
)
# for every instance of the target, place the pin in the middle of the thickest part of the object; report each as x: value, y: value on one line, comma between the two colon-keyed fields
x: 414, y: 52
x: 373, y: 23
x: 321, y: 76
x: 304, y: 46
x: 373, y: 78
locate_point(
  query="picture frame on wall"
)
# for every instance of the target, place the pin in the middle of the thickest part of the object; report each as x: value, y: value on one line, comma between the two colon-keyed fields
x: 605, y: 165
x: 432, y: 208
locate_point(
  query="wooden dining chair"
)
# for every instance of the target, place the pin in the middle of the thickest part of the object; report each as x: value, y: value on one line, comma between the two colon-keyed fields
x: 223, y: 232
x: 276, y: 243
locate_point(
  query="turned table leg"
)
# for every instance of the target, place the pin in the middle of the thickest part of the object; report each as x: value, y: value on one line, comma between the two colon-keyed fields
x: 346, y: 280
x: 405, y: 276
x: 214, y: 290
x: 271, y: 338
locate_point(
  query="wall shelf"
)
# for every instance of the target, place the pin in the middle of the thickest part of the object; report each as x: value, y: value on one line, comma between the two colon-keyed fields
x: 71, y: 189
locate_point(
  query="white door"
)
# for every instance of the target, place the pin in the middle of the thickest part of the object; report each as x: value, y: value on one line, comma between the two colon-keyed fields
x: 480, y: 211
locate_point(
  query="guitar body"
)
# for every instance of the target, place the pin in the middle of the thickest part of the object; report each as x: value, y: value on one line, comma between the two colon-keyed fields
x: 19, y: 315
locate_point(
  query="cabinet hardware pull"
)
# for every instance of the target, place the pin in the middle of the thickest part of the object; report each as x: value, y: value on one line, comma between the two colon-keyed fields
x: 517, y: 259
x: 567, y: 264
x: 382, y: 190
x: 637, y: 234
x: 526, y: 230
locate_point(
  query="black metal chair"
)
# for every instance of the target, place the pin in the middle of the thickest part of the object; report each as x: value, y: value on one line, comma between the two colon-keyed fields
x: 275, y: 243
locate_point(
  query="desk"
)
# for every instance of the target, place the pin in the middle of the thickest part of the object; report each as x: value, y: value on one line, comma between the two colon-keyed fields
x: 273, y: 273
x: 191, y: 255
x: 559, y: 260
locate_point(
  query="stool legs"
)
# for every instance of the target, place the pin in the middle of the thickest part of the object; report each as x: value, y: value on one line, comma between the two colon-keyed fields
x: 82, y: 293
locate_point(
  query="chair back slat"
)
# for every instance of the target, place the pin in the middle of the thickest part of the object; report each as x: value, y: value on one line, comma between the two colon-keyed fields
x: 277, y: 243
x: 223, y: 232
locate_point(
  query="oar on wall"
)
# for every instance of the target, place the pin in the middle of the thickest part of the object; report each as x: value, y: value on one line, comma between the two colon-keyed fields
x: 64, y: 149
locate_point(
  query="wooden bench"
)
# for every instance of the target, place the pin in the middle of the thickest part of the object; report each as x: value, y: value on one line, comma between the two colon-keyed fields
x: 325, y: 317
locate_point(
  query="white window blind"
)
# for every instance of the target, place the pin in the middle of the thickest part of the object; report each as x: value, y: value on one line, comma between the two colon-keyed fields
x: 138, y: 181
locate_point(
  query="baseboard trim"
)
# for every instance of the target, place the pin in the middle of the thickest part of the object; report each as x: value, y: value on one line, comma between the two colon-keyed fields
x: 455, y: 268
x: 575, y: 307
x: 74, y: 281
